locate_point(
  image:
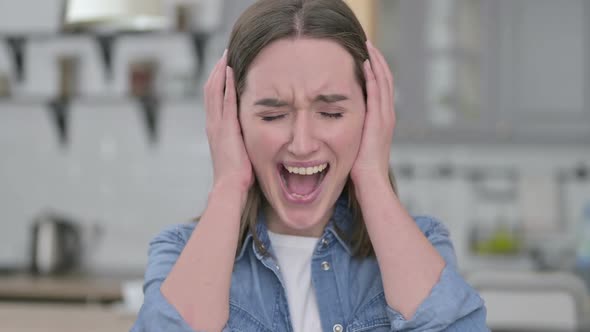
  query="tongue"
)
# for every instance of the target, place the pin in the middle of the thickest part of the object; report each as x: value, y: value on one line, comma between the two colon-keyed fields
x: 302, y: 184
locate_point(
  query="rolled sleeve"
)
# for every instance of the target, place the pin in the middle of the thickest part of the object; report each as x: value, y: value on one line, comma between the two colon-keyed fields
x: 452, y: 305
x: 156, y: 313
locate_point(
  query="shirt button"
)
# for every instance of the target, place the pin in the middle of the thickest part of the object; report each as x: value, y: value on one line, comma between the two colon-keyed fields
x: 326, y: 267
x: 324, y: 243
x: 337, y: 328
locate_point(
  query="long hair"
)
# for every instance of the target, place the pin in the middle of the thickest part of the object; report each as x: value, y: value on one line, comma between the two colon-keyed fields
x: 270, y: 20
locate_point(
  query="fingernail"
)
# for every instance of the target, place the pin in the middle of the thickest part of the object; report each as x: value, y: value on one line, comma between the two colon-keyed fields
x: 224, y: 53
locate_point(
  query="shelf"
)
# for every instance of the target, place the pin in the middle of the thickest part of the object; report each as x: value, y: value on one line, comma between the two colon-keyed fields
x: 101, y: 62
x: 99, y: 100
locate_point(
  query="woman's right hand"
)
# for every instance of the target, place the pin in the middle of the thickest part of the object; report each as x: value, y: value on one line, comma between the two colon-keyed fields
x: 231, y: 164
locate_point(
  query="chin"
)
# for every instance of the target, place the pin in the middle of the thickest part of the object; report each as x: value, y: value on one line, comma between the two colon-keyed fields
x: 303, y: 220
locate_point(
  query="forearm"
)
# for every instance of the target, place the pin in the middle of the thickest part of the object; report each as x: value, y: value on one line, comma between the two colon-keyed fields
x: 198, y: 286
x: 410, y: 266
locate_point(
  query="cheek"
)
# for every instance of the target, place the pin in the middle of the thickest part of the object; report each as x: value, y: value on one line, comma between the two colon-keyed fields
x: 257, y: 135
x: 345, y: 140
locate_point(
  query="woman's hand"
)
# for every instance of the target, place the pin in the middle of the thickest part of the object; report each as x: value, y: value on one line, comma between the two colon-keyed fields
x: 231, y: 164
x: 372, y: 163
x: 207, y: 275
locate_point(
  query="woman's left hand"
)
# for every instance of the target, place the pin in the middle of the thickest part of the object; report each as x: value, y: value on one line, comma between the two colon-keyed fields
x: 372, y: 163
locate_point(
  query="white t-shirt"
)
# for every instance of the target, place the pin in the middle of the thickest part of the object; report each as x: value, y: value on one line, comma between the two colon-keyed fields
x: 294, y: 258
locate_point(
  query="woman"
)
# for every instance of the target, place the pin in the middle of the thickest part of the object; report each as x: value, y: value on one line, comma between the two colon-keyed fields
x: 303, y: 230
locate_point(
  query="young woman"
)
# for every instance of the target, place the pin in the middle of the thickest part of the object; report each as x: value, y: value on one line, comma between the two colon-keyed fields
x: 303, y: 230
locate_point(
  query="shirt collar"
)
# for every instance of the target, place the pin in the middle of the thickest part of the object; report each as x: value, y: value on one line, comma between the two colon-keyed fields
x: 341, y: 224
x: 340, y: 227
x: 261, y: 232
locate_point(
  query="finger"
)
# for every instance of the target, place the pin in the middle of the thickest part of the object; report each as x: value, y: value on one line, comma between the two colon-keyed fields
x: 390, y: 110
x: 389, y: 102
x: 230, y: 107
x: 210, y: 87
x: 213, y: 71
x: 373, y: 98
x: 212, y: 75
x: 216, y: 93
x: 385, y: 66
x: 382, y: 85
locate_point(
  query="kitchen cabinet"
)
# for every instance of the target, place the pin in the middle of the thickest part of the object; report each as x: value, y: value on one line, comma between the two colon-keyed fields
x: 542, y: 78
x: 437, y: 51
x: 487, y: 71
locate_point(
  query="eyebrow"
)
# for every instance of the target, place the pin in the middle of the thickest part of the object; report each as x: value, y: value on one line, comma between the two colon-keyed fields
x: 330, y: 98
x: 270, y: 102
x: 273, y: 102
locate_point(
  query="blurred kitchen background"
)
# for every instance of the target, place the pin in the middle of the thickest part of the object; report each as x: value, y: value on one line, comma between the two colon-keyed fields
x: 102, y: 145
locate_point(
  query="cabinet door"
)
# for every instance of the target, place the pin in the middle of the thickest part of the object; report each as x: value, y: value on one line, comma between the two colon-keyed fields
x: 543, y: 70
x: 439, y: 53
x: 489, y: 71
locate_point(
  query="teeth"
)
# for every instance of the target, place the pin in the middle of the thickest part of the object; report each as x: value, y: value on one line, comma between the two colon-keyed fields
x: 307, y: 170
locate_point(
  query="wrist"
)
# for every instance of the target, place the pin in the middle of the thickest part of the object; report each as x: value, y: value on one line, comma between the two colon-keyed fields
x: 228, y: 192
x: 370, y: 178
x: 371, y: 184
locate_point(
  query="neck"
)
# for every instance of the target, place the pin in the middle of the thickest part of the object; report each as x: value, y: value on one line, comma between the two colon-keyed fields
x: 276, y: 225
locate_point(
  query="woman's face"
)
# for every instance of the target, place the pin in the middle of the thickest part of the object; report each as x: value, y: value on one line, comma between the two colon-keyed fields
x: 302, y: 114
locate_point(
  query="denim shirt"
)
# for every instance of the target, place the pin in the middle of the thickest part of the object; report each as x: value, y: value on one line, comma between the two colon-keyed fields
x: 349, y: 290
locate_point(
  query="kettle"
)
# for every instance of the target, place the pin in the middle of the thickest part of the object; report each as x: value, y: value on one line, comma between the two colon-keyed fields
x: 55, y: 244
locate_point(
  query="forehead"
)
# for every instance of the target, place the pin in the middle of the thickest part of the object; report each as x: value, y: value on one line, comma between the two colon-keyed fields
x: 301, y: 66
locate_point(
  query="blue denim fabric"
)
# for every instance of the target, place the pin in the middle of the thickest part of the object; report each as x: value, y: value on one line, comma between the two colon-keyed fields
x: 349, y: 293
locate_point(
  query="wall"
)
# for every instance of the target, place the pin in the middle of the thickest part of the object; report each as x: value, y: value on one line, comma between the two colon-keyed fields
x: 110, y: 175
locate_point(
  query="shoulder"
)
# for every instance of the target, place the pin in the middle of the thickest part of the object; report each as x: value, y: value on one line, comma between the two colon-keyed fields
x: 174, y: 234
x: 164, y: 250
x: 431, y: 226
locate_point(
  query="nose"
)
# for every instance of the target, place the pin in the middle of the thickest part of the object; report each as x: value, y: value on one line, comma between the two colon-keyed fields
x: 303, y: 142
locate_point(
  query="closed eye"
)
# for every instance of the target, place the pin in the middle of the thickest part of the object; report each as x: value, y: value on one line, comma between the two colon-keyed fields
x: 269, y: 118
x: 331, y: 115
x: 272, y: 117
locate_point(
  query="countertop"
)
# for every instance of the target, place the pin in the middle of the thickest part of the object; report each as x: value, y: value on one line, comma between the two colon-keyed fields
x: 21, y: 317
x: 70, y: 303
x: 70, y: 288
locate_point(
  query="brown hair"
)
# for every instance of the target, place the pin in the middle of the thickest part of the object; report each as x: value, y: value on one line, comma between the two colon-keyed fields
x: 269, y: 20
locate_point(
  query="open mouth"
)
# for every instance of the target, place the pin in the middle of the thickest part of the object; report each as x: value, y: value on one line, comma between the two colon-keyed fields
x: 302, y: 184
